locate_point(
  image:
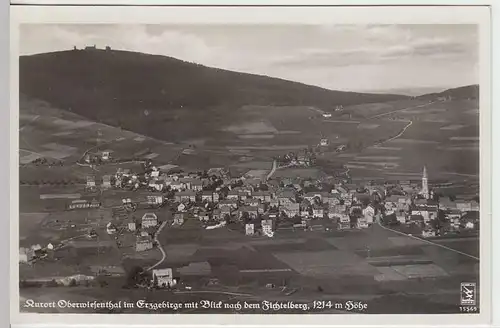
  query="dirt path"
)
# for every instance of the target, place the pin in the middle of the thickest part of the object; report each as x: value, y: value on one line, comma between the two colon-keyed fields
x: 396, y: 136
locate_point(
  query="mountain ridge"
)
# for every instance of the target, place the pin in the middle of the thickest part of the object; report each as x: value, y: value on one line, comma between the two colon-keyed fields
x: 464, y: 92
x: 89, y: 62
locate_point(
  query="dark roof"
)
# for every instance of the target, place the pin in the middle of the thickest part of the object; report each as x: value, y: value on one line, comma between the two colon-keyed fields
x: 416, y: 218
x: 186, y: 193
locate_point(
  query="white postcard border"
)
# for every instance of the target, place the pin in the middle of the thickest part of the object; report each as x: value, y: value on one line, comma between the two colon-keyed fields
x: 261, y: 15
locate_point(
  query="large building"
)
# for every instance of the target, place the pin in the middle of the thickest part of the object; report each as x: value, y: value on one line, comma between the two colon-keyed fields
x: 425, y: 187
x: 164, y: 278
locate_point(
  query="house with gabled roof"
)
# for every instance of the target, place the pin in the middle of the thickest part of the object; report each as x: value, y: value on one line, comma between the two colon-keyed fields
x: 251, y: 210
x: 149, y: 220
x: 263, y: 196
x: 187, y: 195
x: 291, y: 209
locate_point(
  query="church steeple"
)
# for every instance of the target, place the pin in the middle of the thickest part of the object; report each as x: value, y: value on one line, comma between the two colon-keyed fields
x: 425, y: 187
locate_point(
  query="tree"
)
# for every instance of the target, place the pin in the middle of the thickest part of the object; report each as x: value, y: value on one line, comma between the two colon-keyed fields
x: 155, y: 281
x: 72, y: 283
x: 436, y: 224
x: 52, y: 283
x: 134, y: 276
x: 354, y: 220
x: 101, y: 282
x: 245, y: 217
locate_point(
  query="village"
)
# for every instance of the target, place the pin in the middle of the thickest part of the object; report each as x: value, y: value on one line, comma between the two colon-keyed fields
x: 256, y: 207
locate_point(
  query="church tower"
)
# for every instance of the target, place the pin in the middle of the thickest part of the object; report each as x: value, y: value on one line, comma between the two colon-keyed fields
x: 425, y: 187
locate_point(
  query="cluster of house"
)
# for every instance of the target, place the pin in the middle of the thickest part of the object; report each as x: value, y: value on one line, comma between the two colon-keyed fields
x: 260, y: 205
x: 461, y: 214
x: 36, y: 251
x: 144, y: 230
x: 155, y: 180
x: 305, y: 158
x: 170, y: 277
x: 435, y: 215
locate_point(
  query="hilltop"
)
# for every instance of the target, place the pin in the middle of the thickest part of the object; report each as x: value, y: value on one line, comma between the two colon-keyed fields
x: 139, y: 91
x: 465, y: 92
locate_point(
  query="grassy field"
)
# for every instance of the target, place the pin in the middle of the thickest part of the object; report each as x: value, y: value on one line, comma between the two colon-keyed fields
x: 306, y: 260
x: 439, y: 136
x: 258, y: 133
x: 309, y: 259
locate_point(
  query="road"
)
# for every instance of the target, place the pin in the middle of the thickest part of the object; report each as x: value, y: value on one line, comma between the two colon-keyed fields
x: 399, y: 110
x: 275, y: 165
x: 28, y: 123
x: 160, y: 247
x: 398, y: 135
x: 427, y: 242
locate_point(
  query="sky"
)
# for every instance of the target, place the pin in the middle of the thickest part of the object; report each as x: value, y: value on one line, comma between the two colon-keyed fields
x: 367, y: 58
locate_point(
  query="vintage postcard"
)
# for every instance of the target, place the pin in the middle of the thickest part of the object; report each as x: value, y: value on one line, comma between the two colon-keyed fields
x: 265, y: 161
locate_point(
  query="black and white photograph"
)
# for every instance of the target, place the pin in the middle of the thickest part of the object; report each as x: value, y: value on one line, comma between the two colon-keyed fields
x: 237, y: 168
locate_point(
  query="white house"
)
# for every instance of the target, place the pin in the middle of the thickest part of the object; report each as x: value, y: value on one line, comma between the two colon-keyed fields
x: 110, y: 228
x: 207, y: 196
x: 318, y: 212
x: 369, y: 213
x: 90, y: 182
x: 25, y: 255
x: 428, y: 233
x: 249, y: 229
x: 105, y: 155
x: 131, y: 225
x: 164, y: 278
x: 149, y: 220
x: 267, y: 227
x: 181, y: 208
x: 362, y: 223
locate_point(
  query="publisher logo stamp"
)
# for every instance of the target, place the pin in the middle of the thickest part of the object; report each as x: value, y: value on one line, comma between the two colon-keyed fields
x: 468, y: 293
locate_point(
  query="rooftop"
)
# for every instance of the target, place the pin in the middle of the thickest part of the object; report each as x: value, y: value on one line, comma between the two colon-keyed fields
x: 162, y: 272
x: 149, y: 216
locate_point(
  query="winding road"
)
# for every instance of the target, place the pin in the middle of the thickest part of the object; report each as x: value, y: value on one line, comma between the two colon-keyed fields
x: 160, y: 247
x: 275, y: 166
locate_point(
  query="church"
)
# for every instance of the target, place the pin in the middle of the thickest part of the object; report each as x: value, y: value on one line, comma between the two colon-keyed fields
x: 424, y: 192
